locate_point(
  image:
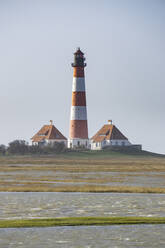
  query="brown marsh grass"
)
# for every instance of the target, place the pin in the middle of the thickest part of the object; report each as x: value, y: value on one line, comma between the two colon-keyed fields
x: 27, y: 173
x: 88, y: 189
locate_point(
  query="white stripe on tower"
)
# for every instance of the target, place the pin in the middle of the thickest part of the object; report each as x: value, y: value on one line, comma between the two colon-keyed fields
x: 78, y: 113
x: 78, y: 84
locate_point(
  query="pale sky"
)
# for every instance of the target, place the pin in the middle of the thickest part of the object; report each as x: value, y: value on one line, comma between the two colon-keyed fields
x: 124, y: 46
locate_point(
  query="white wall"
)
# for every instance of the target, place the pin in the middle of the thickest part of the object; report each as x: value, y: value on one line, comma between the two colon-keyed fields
x: 52, y: 141
x: 100, y: 145
x: 46, y: 142
x: 96, y: 146
x: 73, y: 143
x: 117, y: 143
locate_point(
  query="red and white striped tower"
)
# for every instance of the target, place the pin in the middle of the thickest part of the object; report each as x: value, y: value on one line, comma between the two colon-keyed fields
x: 78, y: 135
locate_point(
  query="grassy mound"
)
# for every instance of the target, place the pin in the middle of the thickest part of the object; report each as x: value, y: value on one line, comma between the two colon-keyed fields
x: 77, y: 221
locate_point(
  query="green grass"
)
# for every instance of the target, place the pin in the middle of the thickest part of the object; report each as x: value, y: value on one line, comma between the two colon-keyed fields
x: 77, y: 221
x: 84, y: 189
x: 89, y: 154
x: 111, y: 152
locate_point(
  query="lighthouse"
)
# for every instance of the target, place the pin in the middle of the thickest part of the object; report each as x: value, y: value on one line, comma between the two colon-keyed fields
x: 78, y: 133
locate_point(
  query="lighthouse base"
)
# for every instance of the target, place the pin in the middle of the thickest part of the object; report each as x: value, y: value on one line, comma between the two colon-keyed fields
x: 78, y: 143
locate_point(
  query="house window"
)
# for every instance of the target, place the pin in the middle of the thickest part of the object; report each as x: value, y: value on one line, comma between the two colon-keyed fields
x: 116, y: 143
x: 123, y: 143
x: 78, y: 143
x: 86, y: 143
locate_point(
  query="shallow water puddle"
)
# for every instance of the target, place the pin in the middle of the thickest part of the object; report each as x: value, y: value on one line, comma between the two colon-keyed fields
x: 31, y: 205
x: 149, y: 236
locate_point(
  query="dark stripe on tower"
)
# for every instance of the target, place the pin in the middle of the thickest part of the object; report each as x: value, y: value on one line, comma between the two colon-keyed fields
x: 78, y: 98
x: 78, y: 72
x: 78, y: 129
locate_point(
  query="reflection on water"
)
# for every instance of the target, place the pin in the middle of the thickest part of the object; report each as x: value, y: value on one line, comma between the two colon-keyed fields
x: 34, y: 205
x: 149, y: 236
